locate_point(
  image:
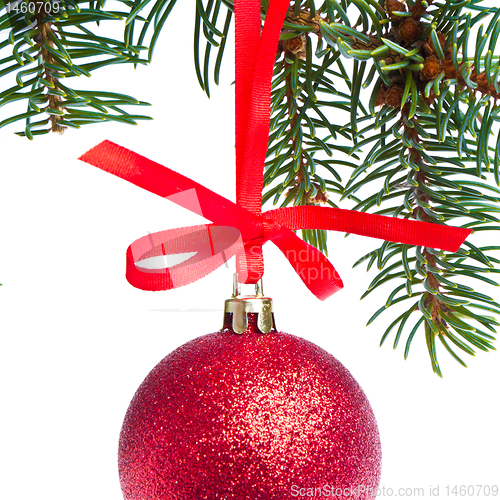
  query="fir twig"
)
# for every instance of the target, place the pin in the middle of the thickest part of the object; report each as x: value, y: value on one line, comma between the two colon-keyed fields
x: 51, y: 43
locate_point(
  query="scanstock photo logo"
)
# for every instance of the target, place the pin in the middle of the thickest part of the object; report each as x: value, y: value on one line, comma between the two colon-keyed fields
x: 431, y: 491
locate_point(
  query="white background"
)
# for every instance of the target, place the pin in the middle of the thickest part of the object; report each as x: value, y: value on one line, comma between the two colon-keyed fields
x: 77, y: 339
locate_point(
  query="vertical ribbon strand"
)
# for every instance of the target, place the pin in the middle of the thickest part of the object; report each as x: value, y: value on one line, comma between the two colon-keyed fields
x: 255, y: 57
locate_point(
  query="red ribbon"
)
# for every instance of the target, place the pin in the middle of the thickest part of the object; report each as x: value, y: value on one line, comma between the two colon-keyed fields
x: 236, y: 227
x: 241, y: 228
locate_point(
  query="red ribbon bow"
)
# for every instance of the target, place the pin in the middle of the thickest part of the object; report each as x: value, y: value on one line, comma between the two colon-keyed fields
x: 235, y: 227
x: 241, y: 228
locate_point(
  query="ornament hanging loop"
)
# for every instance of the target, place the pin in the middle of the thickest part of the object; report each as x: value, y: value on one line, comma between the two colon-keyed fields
x: 239, y: 306
x: 259, y: 288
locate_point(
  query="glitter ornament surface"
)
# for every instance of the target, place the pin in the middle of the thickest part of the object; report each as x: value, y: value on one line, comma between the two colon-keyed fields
x: 247, y: 417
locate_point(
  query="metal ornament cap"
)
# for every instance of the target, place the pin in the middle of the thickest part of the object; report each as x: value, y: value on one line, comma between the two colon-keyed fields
x: 239, y: 306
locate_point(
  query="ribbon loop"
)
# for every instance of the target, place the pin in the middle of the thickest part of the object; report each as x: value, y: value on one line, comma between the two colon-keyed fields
x: 149, y: 259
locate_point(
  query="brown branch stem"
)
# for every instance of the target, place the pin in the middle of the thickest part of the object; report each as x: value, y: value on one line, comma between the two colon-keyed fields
x: 43, y: 38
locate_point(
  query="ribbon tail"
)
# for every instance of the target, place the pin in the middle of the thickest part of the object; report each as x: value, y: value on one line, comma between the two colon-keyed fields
x: 162, y: 181
x: 313, y: 268
x: 409, y: 232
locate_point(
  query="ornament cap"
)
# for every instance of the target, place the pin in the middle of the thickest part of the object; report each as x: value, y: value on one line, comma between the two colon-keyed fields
x: 239, y: 306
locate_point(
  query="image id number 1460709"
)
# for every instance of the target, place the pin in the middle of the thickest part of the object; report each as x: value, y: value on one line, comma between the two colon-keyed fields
x: 47, y: 7
x: 472, y: 490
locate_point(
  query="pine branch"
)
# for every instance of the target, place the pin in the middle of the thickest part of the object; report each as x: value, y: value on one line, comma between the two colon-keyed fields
x: 294, y: 140
x: 426, y: 91
x: 48, y: 38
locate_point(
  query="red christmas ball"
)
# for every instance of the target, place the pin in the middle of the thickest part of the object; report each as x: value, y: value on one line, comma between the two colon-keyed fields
x: 247, y: 417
